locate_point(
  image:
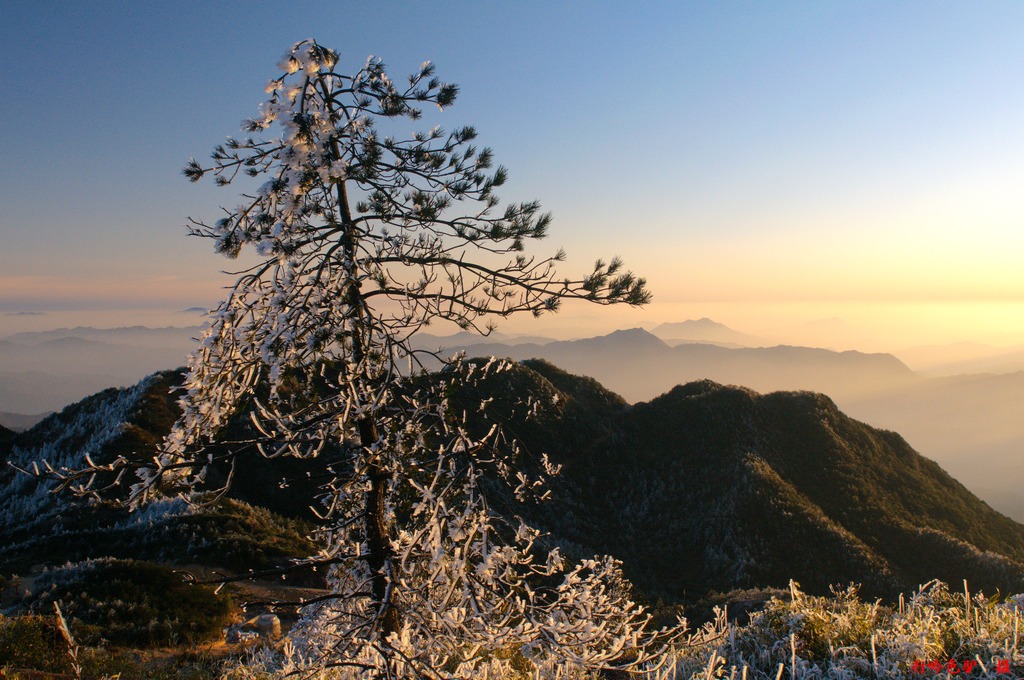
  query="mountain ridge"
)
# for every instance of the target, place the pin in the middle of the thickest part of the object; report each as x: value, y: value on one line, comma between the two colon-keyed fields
x: 776, y: 490
x: 706, y: 487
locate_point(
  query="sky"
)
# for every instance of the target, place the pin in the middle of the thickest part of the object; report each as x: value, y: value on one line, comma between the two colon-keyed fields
x: 787, y: 168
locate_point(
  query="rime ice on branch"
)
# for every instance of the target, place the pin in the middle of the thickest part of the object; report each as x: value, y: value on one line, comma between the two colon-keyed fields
x: 364, y: 238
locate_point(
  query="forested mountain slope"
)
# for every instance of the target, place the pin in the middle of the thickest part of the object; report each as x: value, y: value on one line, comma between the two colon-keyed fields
x: 38, y: 527
x: 705, y: 487
x: 720, y: 487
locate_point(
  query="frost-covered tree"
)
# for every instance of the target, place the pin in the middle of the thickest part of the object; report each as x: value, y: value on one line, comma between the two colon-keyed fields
x: 365, y: 234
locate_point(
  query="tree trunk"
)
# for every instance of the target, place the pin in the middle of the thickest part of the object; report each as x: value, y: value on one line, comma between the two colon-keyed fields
x: 379, y: 557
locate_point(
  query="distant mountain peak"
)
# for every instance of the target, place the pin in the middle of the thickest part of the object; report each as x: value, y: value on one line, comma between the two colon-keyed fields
x: 629, y: 338
x: 629, y: 333
x: 704, y: 330
x: 703, y: 322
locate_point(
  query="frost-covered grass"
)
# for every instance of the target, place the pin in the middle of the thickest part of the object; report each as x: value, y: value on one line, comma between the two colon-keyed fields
x: 804, y: 636
x: 843, y: 636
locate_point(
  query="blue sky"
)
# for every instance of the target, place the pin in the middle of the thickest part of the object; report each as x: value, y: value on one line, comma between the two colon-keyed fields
x: 755, y: 161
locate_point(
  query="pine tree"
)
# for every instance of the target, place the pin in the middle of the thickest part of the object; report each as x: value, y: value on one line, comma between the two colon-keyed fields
x: 364, y: 237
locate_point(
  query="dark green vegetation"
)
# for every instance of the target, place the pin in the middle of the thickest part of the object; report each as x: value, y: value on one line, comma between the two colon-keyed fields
x: 133, y: 604
x: 33, y: 642
x: 705, y: 488
x: 32, y: 648
x: 711, y: 487
x: 7, y: 438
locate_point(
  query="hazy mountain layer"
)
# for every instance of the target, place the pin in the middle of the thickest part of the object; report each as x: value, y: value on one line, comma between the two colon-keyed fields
x: 973, y: 425
x: 639, y: 365
x: 20, y: 421
x: 46, y: 370
x: 963, y: 357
